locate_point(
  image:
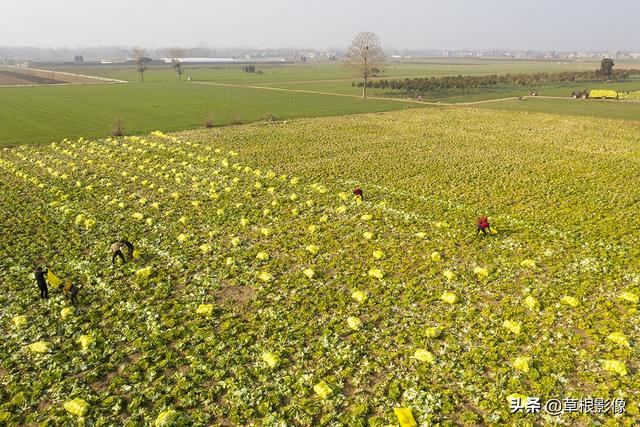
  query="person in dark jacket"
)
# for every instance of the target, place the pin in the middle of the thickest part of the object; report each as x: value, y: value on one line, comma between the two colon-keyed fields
x: 129, y: 246
x: 41, y: 279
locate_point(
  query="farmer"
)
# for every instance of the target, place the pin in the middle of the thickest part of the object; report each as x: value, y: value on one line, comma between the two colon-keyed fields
x: 116, y: 250
x: 129, y: 247
x: 42, y: 282
x: 69, y: 290
x: 357, y: 192
x: 483, y: 225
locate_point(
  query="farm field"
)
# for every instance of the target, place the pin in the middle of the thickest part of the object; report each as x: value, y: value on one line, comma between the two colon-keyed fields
x: 323, y: 71
x: 45, y: 114
x: 593, y: 108
x: 458, y: 95
x: 262, y: 293
x: 15, y: 76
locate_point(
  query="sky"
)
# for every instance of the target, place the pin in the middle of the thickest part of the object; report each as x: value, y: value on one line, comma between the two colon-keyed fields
x: 560, y: 25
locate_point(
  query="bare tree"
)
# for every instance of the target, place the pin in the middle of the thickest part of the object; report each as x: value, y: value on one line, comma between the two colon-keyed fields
x: 141, y: 56
x: 365, y: 56
x: 177, y: 55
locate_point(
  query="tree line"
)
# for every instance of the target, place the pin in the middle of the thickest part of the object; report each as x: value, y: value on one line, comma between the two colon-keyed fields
x: 424, y: 84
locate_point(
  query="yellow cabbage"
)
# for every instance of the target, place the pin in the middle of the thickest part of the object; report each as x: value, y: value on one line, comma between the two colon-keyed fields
x: 514, y: 327
x: 20, y: 321
x: 144, y: 273
x: 481, y: 272
x: 405, y: 417
x: 570, y: 301
x: 166, y: 418
x: 53, y: 279
x: 270, y: 359
x: 354, y: 323
x: 424, y: 355
x: 449, y: 297
x: 619, y: 338
x: 86, y: 341
x: 313, y: 249
x: 531, y: 303
x: 322, y: 389
x: 359, y: 296
x: 615, y: 367
x: 450, y: 275
x: 205, y: 309
x: 433, y: 332
x: 40, y: 347
x: 522, y: 363
x: 629, y: 297
x: 66, y: 312
x: 265, y: 276
x: 374, y: 272
x: 528, y: 263
x: 78, y: 407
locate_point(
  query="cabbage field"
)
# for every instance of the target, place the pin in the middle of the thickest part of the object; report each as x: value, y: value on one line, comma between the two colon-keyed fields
x: 262, y: 296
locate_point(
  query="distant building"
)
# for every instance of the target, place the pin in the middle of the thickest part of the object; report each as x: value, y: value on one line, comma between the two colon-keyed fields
x: 199, y: 60
x: 146, y: 60
x: 112, y: 61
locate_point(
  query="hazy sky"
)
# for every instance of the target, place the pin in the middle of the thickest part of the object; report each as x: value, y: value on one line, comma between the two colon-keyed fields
x: 411, y: 24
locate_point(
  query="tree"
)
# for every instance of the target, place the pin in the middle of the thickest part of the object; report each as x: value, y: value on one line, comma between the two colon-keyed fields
x: 606, y: 68
x: 141, y: 56
x: 365, y: 56
x: 177, y: 55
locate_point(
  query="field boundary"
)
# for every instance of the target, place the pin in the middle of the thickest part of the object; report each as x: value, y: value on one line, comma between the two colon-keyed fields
x: 379, y: 98
x: 63, y: 73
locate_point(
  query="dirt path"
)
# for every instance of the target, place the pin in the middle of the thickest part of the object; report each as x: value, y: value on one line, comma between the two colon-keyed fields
x: 346, y: 79
x: 316, y: 92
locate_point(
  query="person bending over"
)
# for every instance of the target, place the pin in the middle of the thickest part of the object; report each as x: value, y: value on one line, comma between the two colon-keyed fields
x: 116, y: 250
x: 70, y: 291
x: 357, y: 192
x: 483, y: 225
x: 129, y: 247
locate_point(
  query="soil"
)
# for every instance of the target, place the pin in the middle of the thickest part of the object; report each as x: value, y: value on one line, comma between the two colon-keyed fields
x: 28, y: 76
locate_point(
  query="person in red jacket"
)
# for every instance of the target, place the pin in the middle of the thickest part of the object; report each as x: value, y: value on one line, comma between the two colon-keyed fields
x: 357, y: 192
x: 483, y: 225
